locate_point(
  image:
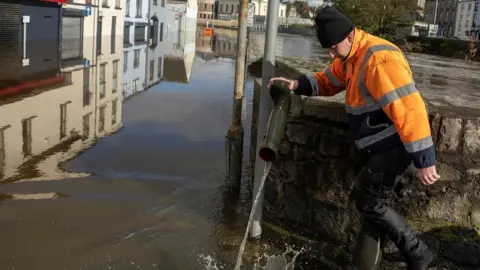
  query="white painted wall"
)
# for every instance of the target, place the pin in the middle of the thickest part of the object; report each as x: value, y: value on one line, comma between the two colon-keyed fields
x: 156, y: 54
x: 134, y: 77
x: 113, y: 88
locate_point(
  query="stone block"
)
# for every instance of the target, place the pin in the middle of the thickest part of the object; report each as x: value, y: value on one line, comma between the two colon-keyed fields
x: 331, y: 145
x: 297, y: 210
x: 450, y: 135
x: 302, y: 153
x: 331, y: 221
x: 448, y: 172
x: 331, y: 109
x: 299, y: 133
x: 334, y: 194
x: 296, y: 105
x: 471, y: 141
x: 440, y: 204
x: 473, y: 174
x: 435, y: 121
x: 291, y: 170
x: 475, y: 214
x: 285, y: 148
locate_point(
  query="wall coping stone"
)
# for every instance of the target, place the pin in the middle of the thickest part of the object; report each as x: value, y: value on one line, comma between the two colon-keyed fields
x: 446, y: 102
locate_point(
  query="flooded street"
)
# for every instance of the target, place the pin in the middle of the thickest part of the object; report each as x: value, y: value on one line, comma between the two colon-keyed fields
x: 140, y: 182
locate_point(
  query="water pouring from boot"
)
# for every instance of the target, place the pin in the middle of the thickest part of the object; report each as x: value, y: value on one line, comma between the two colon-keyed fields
x: 268, y: 152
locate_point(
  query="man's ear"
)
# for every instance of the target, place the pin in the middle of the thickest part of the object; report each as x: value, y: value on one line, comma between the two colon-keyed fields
x: 350, y: 37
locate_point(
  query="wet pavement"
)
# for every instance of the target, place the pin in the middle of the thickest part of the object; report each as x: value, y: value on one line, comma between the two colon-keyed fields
x: 145, y: 192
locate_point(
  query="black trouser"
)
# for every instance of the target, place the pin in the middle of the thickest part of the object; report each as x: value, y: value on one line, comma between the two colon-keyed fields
x: 373, y: 191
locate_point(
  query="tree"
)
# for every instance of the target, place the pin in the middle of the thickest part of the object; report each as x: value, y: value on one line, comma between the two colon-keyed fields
x: 379, y: 17
x: 302, y: 8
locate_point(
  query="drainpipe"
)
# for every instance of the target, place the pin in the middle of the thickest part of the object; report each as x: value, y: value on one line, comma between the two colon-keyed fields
x: 265, y: 106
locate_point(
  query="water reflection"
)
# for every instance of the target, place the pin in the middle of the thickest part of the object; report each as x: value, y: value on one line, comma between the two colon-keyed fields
x: 58, y: 104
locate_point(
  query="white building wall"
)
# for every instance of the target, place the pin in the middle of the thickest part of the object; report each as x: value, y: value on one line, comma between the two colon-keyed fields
x: 155, y: 52
x: 108, y: 83
x: 135, y: 52
x: 232, y: 6
x: 464, y: 18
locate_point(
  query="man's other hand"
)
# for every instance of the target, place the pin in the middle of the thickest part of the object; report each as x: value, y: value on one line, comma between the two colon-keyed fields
x: 428, y: 175
x: 291, y: 84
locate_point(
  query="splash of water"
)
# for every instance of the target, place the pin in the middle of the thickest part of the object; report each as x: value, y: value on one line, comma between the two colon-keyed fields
x: 275, y: 262
x: 209, y: 262
x: 268, y: 165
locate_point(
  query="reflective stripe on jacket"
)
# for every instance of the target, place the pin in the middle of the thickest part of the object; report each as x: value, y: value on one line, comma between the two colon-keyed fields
x: 384, y: 107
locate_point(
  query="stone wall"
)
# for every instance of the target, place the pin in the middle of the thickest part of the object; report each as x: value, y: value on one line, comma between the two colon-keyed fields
x: 308, y: 188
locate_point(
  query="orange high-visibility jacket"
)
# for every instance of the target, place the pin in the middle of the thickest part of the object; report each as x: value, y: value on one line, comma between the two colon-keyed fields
x: 384, y: 107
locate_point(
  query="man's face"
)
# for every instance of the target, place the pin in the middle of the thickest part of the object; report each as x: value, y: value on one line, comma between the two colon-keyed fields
x: 342, y: 49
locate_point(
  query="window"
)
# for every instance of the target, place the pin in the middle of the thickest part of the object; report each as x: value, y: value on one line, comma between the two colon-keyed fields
x: 114, y: 111
x: 86, y: 126
x: 102, y: 80
x: 163, y: 3
x: 63, y: 120
x: 161, y: 32
x: 99, y: 36
x: 127, y: 8
x: 139, y: 34
x: 152, y: 69
x: 124, y: 89
x: 154, y: 2
x: 154, y: 31
x: 139, y: 8
x: 27, y: 137
x: 114, y: 34
x: 101, y: 119
x: 118, y: 4
x: 126, y: 35
x: 136, y: 60
x: 135, y: 85
x: 159, y: 71
x: 72, y: 35
x: 115, y: 76
x: 125, y: 62
x: 86, y: 86
x: 104, y: 3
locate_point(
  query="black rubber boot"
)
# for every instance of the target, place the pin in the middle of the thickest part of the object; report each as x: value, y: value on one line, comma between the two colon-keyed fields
x: 367, y: 253
x: 426, y: 260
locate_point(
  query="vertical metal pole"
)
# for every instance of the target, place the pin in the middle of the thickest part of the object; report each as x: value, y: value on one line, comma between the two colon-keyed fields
x: 266, y: 104
x: 234, y: 139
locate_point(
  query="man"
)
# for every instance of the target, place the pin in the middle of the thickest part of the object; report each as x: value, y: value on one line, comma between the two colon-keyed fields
x: 388, y: 121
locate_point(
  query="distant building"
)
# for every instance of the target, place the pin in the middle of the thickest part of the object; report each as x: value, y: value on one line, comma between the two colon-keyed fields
x: 135, y: 31
x: 466, y: 19
x: 206, y: 9
x: 228, y: 9
x: 441, y: 13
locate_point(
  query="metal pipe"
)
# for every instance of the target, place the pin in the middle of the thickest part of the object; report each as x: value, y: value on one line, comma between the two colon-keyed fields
x: 277, y: 121
x: 234, y: 138
x: 266, y: 104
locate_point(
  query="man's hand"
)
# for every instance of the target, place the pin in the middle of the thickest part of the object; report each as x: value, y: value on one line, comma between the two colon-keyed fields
x: 292, y: 84
x: 428, y: 175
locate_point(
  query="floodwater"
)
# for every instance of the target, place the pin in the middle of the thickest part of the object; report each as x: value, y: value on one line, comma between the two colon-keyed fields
x: 140, y: 183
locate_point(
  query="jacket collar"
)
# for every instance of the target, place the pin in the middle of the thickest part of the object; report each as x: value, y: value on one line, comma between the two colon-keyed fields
x: 359, y: 39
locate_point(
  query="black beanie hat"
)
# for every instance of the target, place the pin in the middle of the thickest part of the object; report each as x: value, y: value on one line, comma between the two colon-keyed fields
x: 332, y: 26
